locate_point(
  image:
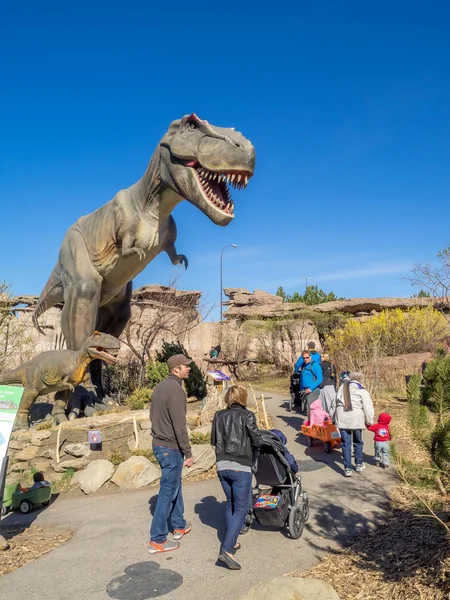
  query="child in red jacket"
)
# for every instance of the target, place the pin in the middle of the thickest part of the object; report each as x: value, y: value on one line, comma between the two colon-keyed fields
x: 382, y: 439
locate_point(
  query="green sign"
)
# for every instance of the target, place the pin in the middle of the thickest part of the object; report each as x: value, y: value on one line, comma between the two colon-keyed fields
x: 10, y: 398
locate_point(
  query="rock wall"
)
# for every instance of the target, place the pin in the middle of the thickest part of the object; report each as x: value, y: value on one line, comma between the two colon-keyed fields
x: 161, y: 313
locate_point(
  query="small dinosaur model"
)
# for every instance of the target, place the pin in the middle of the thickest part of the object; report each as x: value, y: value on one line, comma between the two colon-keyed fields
x: 58, y: 370
x: 103, y: 251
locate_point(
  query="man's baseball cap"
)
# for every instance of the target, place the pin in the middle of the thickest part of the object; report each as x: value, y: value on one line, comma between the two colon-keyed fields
x: 177, y: 360
x: 311, y: 345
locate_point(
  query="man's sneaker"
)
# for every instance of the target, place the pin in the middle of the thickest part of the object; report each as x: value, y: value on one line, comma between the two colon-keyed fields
x: 348, y: 472
x: 385, y: 466
x: 360, y: 467
x: 178, y: 533
x: 155, y: 547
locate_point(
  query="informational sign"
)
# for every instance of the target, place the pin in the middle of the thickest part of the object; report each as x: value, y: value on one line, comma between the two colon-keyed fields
x: 95, y: 439
x: 10, y: 398
x: 218, y: 376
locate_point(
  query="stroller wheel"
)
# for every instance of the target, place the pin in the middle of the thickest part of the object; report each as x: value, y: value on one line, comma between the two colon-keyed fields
x: 305, y: 507
x: 327, y: 447
x: 310, y: 441
x: 246, y: 526
x: 296, y: 522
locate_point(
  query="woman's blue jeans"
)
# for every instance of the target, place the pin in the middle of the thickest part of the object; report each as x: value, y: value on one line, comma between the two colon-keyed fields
x: 346, y: 443
x: 169, y: 510
x: 237, y: 486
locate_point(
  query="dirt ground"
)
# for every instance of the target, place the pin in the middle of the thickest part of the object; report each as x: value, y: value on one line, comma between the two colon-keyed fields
x: 28, y: 544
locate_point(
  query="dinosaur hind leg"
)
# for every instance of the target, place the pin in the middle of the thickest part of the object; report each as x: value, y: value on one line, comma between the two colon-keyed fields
x: 112, y: 319
x: 23, y: 414
x: 81, y: 292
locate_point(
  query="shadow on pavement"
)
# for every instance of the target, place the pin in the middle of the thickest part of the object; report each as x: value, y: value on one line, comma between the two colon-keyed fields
x: 338, y: 522
x: 211, y: 512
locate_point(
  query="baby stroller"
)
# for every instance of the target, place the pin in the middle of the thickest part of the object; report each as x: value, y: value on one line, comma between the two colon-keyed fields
x: 296, y: 397
x: 282, y: 503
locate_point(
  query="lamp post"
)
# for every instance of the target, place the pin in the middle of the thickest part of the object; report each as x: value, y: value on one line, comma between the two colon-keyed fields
x: 306, y: 279
x: 228, y: 245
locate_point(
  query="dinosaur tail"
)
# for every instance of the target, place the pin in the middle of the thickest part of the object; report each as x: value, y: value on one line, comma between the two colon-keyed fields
x: 13, y: 376
x: 50, y: 295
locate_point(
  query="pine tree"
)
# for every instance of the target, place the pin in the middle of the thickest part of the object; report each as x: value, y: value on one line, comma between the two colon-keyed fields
x: 196, y: 382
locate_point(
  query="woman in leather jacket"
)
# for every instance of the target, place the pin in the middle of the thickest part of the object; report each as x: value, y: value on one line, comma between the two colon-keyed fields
x: 235, y: 435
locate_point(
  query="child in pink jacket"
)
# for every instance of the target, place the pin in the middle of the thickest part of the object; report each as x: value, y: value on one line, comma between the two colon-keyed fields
x: 317, y: 416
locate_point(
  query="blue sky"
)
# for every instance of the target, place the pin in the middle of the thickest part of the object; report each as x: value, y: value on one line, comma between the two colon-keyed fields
x: 346, y: 103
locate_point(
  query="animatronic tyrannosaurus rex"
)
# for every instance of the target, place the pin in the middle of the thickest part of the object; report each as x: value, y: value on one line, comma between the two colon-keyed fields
x: 58, y: 370
x: 103, y: 251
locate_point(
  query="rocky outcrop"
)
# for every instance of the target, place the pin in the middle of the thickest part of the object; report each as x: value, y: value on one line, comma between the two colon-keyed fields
x: 243, y: 304
x: 172, y: 310
x: 291, y: 588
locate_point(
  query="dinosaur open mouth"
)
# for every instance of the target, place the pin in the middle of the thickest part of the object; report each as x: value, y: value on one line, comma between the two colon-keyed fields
x: 215, y: 186
x: 109, y: 356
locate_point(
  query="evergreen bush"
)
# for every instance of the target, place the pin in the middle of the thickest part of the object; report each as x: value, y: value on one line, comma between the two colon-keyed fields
x: 156, y: 372
x: 139, y: 398
x: 196, y: 382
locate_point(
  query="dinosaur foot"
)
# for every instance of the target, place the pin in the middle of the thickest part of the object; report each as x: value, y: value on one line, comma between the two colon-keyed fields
x: 21, y: 422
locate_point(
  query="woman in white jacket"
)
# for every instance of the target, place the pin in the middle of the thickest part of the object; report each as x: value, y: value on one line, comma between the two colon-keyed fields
x: 354, y: 410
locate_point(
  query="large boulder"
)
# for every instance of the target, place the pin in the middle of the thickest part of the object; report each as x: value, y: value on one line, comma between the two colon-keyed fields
x: 204, y: 460
x: 135, y: 473
x: 94, y: 476
x: 291, y: 588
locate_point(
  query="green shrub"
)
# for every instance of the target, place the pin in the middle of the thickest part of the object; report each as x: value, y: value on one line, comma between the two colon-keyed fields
x: 196, y: 382
x: 139, y: 398
x: 64, y: 484
x: 156, y: 372
x: 200, y: 438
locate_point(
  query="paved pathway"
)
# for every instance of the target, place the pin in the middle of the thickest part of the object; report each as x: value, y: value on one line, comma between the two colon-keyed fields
x: 107, y: 557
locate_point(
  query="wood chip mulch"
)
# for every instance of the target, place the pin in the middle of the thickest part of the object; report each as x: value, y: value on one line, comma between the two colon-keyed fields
x: 28, y: 544
x: 408, y: 558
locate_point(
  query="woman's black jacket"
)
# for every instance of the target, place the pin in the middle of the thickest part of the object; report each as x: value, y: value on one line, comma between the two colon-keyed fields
x: 234, y: 434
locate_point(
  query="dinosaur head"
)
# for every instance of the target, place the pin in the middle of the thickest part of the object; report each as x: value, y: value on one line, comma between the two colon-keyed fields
x: 102, y: 346
x: 200, y: 162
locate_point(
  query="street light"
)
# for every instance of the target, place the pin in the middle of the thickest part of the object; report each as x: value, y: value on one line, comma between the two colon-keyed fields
x: 306, y: 279
x: 228, y: 245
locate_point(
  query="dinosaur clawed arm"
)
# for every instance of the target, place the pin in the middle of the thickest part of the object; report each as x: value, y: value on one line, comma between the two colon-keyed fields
x: 176, y: 259
x: 134, y: 250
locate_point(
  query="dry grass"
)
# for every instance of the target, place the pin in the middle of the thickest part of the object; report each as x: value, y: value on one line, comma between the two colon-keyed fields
x: 278, y: 384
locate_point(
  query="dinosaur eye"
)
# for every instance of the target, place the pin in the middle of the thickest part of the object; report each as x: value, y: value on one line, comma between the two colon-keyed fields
x: 191, y: 125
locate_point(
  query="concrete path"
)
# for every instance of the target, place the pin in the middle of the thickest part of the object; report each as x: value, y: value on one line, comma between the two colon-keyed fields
x: 107, y: 557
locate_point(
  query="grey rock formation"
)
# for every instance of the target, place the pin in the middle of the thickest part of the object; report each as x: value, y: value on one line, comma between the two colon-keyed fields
x: 97, y: 473
x: 135, y: 473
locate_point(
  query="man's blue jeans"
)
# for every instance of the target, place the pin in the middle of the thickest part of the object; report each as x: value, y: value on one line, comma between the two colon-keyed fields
x: 169, y: 508
x: 237, y: 486
x: 346, y: 442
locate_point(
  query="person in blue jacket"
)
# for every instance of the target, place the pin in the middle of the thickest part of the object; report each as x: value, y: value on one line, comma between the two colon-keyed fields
x: 315, y: 357
x: 310, y: 378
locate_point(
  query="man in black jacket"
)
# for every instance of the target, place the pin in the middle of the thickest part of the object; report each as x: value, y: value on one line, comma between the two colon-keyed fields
x: 172, y: 449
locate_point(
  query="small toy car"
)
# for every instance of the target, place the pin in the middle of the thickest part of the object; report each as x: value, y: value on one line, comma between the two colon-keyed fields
x: 26, y: 501
x: 328, y: 434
